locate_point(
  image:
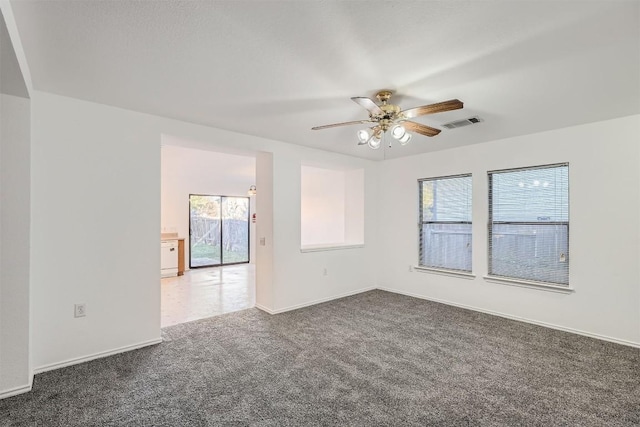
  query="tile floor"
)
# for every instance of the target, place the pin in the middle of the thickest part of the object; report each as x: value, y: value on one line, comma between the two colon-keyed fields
x: 206, y: 292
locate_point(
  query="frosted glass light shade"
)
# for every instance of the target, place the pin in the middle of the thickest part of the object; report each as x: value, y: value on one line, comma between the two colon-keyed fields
x: 405, y: 139
x: 374, y: 142
x: 364, y: 135
x: 398, y: 132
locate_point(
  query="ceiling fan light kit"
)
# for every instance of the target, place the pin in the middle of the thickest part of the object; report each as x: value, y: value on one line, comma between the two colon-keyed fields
x: 405, y: 139
x: 363, y: 136
x: 389, y: 117
x: 374, y: 142
x: 397, y: 131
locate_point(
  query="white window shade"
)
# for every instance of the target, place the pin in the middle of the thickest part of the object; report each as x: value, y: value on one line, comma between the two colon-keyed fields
x: 445, y: 223
x: 529, y: 224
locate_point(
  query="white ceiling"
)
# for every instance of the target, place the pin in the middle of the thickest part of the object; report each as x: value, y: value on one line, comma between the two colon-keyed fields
x: 276, y: 68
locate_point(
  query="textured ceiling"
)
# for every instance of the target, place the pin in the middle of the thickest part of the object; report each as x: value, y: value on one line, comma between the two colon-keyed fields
x: 276, y: 68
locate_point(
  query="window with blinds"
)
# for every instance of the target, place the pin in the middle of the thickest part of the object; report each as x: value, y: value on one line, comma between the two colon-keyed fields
x: 529, y: 224
x: 445, y: 223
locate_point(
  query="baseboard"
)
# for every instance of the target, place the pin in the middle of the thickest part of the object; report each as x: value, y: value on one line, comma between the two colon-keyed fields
x: 519, y: 319
x: 314, y: 302
x: 17, y: 390
x: 94, y: 356
x: 265, y: 309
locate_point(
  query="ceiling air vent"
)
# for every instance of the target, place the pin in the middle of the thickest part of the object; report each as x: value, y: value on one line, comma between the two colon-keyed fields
x: 464, y: 122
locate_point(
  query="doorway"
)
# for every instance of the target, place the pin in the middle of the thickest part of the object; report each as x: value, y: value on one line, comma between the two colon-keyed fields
x: 218, y: 230
x: 188, y: 171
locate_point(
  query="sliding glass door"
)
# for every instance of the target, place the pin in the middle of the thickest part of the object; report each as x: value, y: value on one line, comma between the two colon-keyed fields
x: 218, y: 230
x: 235, y: 230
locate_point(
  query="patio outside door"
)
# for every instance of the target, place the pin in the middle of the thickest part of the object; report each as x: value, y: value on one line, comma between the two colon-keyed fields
x: 218, y: 230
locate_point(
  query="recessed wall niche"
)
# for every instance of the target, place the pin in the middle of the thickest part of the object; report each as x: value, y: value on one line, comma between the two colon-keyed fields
x: 331, y: 208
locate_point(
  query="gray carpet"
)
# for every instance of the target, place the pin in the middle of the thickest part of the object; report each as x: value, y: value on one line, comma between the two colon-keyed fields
x: 373, y: 359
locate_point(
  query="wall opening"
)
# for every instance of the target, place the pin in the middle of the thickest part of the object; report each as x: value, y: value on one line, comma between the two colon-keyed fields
x: 331, y: 208
x: 188, y: 169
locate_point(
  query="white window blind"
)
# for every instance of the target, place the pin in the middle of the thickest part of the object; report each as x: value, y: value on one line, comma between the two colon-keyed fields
x: 529, y: 224
x: 445, y: 223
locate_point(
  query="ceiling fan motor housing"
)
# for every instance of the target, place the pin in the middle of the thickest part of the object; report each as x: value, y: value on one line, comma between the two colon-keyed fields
x: 390, y: 116
x: 384, y: 95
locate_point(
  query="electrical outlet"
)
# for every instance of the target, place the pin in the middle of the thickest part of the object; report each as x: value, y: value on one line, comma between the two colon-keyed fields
x: 410, y: 268
x: 263, y: 241
x: 324, y: 271
x: 80, y: 310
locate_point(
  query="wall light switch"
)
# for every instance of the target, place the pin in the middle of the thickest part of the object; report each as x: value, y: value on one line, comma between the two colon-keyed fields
x: 263, y: 241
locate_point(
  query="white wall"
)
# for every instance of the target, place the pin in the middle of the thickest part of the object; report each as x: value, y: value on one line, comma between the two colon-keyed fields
x: 15, y: 373
x: 604, y: 227
x: 332, y: 207
x: 292, y: 278
x: 95, y: 229
x: 299, y: 277
x: 191, y: 171
x: 264, y: 231
x: 95, y: 220
x: 354, y: 212
x: 322, y: 206
x: 15, y: 193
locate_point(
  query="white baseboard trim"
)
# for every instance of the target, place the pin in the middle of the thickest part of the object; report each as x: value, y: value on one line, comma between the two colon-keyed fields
x: 265, y: 309
x: 518, y: 318
x: 17, y: 390
x: 318, y: 301
x: 94, y: 356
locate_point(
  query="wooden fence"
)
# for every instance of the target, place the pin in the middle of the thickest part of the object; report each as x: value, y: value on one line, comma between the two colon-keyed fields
x: 206, y: 231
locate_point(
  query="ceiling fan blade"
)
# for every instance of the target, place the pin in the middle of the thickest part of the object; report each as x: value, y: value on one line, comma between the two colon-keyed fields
x: 452, y: 104
x: 368, y: 104
x: 420, y: 128
x: 335, y: 125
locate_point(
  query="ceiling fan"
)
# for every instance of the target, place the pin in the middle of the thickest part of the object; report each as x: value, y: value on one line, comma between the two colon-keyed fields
x: 388, y: 117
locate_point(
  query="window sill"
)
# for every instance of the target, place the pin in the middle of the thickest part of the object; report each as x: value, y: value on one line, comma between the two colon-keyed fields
x: 529, y: 284
x: 443, y: 272
x: 330, y: 247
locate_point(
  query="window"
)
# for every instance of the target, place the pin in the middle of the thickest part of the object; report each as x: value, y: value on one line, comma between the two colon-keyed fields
x: 445, y: 223
x: 529, y: 224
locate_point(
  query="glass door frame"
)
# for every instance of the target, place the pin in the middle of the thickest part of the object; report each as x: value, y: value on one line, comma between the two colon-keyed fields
x: 222, y: 263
